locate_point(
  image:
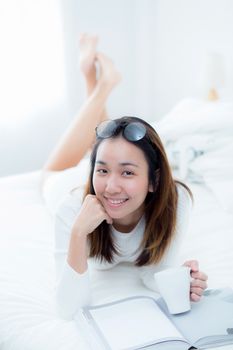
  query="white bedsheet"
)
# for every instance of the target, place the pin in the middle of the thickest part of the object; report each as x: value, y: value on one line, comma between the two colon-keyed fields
x: 27, y: 313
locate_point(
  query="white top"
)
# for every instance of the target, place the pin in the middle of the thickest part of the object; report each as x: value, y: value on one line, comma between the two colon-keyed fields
x: 73, y: 288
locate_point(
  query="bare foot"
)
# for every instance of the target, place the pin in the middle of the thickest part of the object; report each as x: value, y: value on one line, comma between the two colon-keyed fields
x: 108, y: 74
x: 87, y: 46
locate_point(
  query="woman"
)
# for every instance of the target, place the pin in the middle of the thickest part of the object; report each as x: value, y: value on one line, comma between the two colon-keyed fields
x: 133, y: 210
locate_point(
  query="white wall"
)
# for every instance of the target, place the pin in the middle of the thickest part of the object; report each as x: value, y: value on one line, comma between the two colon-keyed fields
x: 114, y: 23
x: 184, y: 31
x: 158, y: 45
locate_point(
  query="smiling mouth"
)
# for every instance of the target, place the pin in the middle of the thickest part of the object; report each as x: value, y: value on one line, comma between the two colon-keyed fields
x: 115, y: 202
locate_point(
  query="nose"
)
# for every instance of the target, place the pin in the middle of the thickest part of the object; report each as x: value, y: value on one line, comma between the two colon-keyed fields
x: 113, y: 184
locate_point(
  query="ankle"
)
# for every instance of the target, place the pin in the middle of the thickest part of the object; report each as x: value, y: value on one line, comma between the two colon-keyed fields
x: 100, y: 93
x: 90, y: 86
x: 104, y: 86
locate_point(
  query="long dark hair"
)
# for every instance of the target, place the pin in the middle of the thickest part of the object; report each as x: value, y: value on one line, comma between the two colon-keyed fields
x: 160, y: 205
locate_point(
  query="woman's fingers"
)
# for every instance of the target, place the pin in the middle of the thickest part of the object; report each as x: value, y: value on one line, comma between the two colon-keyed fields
x: 195, y: 297
x: 90, y: 216
x: 193, y: 264
x: 199, y: 275
x: 199, y: 284
x: 197, y: 290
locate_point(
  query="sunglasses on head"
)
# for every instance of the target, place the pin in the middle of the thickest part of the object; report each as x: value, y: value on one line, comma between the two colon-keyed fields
x: 132, y: 131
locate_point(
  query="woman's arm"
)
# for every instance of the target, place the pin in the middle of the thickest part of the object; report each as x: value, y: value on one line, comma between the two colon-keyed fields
x: 77, y: 254
x: 172, y: 256
x: 73, y: 225
x: 72, y: 288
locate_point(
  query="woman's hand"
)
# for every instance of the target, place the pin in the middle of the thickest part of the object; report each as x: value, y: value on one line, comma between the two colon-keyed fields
x: 198, y: 284
x: 90, y: 216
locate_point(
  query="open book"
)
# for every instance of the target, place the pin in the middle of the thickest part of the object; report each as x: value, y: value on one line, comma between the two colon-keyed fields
x: 142, y: 322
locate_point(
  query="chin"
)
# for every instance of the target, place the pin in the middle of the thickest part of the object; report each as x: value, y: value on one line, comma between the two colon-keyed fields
x: 115, y: 215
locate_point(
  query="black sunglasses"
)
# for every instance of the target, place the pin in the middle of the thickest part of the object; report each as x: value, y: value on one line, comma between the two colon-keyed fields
x: 134, y: 131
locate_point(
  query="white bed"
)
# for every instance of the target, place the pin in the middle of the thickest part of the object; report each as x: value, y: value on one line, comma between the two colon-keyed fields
x: 28, y: 319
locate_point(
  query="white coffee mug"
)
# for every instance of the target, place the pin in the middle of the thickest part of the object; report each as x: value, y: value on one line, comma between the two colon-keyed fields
x: 174, y: 287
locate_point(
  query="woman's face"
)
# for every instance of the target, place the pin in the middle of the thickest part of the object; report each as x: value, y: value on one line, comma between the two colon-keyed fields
x: 120, y: 181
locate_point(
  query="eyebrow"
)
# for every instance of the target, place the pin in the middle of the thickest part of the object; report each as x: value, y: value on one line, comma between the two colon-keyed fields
x: 101, y: 162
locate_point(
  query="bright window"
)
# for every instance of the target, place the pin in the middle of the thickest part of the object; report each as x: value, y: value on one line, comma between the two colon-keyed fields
x: 31, y: 58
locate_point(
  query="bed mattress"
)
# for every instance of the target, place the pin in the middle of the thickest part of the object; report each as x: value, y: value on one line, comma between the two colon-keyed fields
x: 28, y: 319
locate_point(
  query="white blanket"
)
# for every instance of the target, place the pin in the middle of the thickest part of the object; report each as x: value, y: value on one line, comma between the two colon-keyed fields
x: 27, y: 276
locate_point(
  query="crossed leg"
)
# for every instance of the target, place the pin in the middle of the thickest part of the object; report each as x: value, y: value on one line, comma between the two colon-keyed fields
x: 79, y: 136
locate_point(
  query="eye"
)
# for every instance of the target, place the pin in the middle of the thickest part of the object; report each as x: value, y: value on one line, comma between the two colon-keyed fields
x: 101, y: 171
x: 128, y: 173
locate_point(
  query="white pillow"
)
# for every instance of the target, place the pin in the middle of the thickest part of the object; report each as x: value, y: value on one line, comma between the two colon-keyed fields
x: 197, y: 135
x: 192, y: 116
x: 59, y: 183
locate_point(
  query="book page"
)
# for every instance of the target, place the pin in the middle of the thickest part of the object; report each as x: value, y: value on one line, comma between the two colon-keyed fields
x: 133, y: 322
x: 210, y: 317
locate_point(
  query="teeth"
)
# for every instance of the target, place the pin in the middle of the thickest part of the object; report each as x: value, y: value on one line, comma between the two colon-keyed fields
x: 116, y: 201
